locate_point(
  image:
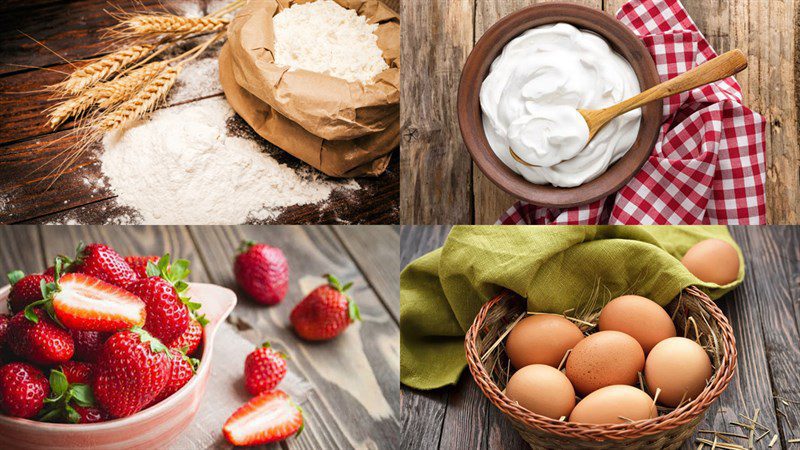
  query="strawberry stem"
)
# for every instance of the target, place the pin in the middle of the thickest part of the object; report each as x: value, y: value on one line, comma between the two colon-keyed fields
x: 245, y: 245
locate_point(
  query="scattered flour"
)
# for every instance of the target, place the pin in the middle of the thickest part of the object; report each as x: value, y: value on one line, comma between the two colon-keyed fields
x: 181, y: 166
x: 325, y: 37
x: 199, y: 78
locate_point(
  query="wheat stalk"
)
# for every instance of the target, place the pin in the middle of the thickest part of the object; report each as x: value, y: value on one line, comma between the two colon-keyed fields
x: 105, y: 95
x: 152, y: 24
x: 102, y: 69
x: 146, y: 100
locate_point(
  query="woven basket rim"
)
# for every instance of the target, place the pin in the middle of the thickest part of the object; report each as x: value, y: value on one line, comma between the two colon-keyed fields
x: 611, y: 432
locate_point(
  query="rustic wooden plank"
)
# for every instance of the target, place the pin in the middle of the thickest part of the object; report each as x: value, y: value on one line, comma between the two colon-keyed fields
x: 75, y: 32
x: 435, y: 166
x: 20, y: 249
x: 356, y: 374
x: 26, y: 173
x: 423, y: 412
x: 774, y: 275
x: 376, y: 252
x: 465, y: 423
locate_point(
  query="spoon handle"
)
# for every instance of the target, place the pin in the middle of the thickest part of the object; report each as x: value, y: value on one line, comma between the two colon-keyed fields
x: 721, y: 67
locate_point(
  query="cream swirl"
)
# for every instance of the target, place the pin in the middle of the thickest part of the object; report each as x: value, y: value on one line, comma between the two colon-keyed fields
x: 531, y: 96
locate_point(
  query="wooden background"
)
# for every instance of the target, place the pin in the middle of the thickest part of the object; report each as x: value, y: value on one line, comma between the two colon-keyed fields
x: 74, y: 30
x: 442, y: 186
x: 764, y: 312
x: 353, y: 400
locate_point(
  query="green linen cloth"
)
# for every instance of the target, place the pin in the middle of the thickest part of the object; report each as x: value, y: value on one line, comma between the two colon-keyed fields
x: 554, y: 267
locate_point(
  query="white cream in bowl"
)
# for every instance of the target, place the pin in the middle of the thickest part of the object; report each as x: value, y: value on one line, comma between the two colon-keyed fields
x: 531, y: 96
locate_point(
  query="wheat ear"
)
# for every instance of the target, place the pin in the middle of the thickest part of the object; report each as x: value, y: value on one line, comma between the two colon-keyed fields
x: 102, y: 69
x: 105, y: 95
x: 146, y: 100
x: 150, y: 24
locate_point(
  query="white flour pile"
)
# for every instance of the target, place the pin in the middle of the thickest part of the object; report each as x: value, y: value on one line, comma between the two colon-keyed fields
x: 181, y: 166
x: 324, y: 37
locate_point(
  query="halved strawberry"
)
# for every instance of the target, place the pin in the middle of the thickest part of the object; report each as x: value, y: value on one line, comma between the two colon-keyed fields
x: 270, y: 417
x: 82, y: 302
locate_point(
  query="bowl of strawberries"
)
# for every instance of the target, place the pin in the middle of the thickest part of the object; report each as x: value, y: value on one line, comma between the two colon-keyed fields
x: 103, y: 351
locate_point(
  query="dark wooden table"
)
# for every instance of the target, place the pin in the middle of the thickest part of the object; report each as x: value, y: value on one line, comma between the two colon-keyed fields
x: 366, y: 254
x: 74, y: 30
x: 764, y: 311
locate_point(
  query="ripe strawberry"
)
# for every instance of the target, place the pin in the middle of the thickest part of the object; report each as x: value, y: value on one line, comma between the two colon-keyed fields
x: 69, y: 400
x: 102, y: 262
x: 51, y: 271
x: 132, y: 369
x: 77, y: 372
x: 264, y: 368
x: 182, y: 370
x: 190, y: 339
x: 90, y: 414
x: 262, y: 271
x: 325, y: 312
x: 168, y: 310
x: 34, y: 336
x: 139, y: 264
x: 88, y: 344
x: 270, y: 417
x: 23, y: 389
x: 83, y: 302
x: 25, y: 289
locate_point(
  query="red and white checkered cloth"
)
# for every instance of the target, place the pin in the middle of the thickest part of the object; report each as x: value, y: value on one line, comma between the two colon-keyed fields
x: 708, y: 167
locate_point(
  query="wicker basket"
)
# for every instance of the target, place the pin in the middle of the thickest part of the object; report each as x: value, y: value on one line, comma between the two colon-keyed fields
x: 491, y: 369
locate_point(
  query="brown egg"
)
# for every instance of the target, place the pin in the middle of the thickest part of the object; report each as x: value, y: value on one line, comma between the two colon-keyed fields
x: 679, y: 367
x: 713, y: 261
x: 614, y: 404
x: 639, y: 317
x: 541, y: 339
x: 542, y: 390
x: 603, y: 359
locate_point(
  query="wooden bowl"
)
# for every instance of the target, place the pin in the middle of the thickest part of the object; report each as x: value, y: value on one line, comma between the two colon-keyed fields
x: 470, y: 117
x: 151, y: 428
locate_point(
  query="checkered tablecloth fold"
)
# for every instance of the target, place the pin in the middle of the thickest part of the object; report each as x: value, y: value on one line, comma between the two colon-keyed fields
x: 709, y: 165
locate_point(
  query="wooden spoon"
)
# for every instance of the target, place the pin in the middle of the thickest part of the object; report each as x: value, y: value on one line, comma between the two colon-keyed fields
x: 719, y: 68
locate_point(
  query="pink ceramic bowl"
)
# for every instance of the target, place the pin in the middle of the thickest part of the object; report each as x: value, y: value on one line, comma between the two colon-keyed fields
x: 151, y: 428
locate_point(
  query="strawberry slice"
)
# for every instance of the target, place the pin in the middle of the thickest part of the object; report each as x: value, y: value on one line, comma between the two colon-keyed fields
x: 270, y: 417
x: 83, y: 302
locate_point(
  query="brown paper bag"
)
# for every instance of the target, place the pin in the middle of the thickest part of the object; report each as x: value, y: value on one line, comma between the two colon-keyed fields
x: 342, y: 128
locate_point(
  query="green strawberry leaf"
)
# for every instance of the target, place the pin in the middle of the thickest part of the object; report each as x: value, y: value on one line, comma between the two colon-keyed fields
x: 82, y: 394
x: 155, y: 345
x: 15, y: 276
x: 347, y: 286
x: 71, y: 414
x: 353, y: 310
x: 30, y: 314
x: 58, y: 382
x: 200, y: 318
x: 194, y: 362
x: 152, y: 269
x: 50, y: 415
